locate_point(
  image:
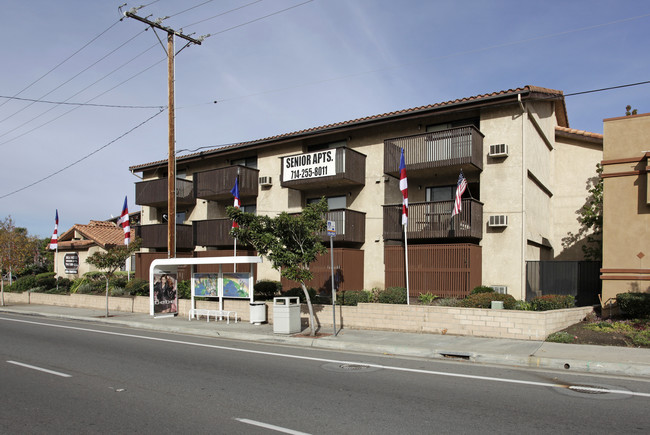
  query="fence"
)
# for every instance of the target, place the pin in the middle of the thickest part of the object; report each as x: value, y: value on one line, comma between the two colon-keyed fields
x: 580, y: 279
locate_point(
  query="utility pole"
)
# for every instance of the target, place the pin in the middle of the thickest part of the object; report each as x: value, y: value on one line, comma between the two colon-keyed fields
x: 171, y: 162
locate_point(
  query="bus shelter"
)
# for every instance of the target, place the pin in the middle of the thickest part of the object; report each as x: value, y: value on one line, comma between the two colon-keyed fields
x: 163, y: 282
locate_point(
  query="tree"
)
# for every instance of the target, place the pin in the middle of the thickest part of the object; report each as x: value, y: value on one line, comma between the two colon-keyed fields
x: 591, y: 218
x: 17, y: 249
x: 291, y: 243
x: 110, y: 260
x: 629, y: 111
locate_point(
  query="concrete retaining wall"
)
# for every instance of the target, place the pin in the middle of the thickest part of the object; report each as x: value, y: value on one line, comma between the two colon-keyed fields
x: 525, y: 325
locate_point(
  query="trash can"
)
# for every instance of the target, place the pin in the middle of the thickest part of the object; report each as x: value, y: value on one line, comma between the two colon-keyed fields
x: 286, y: 315
x: 258, y: 313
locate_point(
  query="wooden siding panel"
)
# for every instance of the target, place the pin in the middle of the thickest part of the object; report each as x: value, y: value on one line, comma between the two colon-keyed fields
x: 348, y: 272
x: 216, y: 184
x: 444, y: 270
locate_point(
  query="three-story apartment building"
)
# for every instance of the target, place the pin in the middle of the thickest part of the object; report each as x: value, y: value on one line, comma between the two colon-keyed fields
x: 526, y: 172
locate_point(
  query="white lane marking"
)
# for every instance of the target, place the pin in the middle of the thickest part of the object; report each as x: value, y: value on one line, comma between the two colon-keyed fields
x: 270, y: 426
x: 325, y: 360
x: 40, y: 369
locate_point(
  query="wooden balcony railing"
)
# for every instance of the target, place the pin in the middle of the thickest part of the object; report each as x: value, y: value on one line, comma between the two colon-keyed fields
x: 350, y: 226
x: 216, y: 184
x: 432, y: 220
x: 154, y: 193
x: 154, y: 236
x: 301, y: 173
x: 453, y: 147
x: 213, y: 232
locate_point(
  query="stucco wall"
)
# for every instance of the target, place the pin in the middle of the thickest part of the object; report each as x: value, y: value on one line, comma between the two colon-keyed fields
x: 626, y: 206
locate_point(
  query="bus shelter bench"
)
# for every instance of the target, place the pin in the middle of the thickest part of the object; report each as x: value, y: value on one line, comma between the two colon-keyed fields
x: 197, y: 312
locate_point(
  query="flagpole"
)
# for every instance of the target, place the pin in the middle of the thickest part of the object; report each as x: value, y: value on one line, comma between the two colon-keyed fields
x: 406, y: 261
x: 234, y: 265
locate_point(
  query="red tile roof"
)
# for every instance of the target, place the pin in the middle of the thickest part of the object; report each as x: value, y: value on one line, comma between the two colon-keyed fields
x: 96, y: 232
x: 565, y: 131
x: 527, y: 91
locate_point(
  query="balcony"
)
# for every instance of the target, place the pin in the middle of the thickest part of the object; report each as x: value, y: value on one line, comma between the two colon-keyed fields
x: 216, y: 184
x: 350, y: 226
x: 212, y: 232
x: 327, y: 168
x: 154, y: 193
x: 155, y: 236
x: 432, y: 220
x: 450, y: 149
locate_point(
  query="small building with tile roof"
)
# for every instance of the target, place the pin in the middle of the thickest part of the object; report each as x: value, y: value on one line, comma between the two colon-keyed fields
x: 81, y: 241
x: 526, y: 170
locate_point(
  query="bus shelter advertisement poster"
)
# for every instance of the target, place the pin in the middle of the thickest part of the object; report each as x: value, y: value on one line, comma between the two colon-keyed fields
x: 165, y: 293
x: 236, y: 285
x: 206, y: 285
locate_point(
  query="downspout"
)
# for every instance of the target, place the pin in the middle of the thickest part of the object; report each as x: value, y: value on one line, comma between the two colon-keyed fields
x: 524, y: 115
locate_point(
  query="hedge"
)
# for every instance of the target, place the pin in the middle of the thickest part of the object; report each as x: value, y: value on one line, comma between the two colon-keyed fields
x: 484, y: 300
x: 634, y: 305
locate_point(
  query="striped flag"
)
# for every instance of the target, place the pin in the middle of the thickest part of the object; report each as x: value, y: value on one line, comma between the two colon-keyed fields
x: 54, y: 241
x: 403, y: 186
x: 235, y: 193
x: 460, y: 189
x: 125, y: 222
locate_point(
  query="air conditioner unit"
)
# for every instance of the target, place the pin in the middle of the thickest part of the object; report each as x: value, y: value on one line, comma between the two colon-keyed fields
x: 265, y: 181
x: 499, y: 220
x: 498, y: 150
x: 503, y: 289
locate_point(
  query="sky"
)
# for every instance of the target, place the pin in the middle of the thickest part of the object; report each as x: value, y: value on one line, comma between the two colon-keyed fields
x: 83, y: 89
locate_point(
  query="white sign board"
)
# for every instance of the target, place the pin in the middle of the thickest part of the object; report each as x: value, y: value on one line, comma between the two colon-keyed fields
x: 331, y: 228
x: 309, y: 165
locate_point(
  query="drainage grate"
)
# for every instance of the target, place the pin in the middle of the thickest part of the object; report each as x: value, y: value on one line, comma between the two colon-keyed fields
x: 463, y: 356
x: 354, y: 366
x: 588, y: 389
x: 349, y: 367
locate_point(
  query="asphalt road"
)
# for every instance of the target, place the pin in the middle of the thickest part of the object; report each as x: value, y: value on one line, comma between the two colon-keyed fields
x: 76, y: 377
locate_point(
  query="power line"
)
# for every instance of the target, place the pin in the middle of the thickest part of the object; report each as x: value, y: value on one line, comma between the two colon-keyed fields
x: 63, y: 103
x: 82, y: 158
x: 88, y: 101
x: 222, y: 14
x: 607, y: 89
x: 256, y: 19
x: 69, y: 80
x: 62, y: 62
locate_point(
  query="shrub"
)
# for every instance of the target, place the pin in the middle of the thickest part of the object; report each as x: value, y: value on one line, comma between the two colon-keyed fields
x: 484, y: 300
x: 523, y: 306
x: 481, y: 289
x: 46, y: 280
x: 447, y: 302
x: 266, y: 289
x: 633, y: 305
x: 137, y: 287
x: 561, y: 337
x: 392, y: 295
x: 184, y: 289
x: 427, y: 298
x: 297, y: 291
x: 552, y: 302
x: 22, y: 284
x: 352, y: 297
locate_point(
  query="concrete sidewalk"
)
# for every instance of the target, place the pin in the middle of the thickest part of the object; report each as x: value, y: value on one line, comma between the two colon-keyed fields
x: 518, y: 353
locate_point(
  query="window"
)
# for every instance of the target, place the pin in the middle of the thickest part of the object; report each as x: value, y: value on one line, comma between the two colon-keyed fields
x: 440, y: 193
x: 249, y: 162
x: 333, y: 202
x: 250, y: 208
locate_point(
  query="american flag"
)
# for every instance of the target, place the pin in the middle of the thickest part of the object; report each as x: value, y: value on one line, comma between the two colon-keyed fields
x: 235, y: 193
x: 126, y: 224
x: 403, y: 186
x: 460, y: 189
x: 54, y: 241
